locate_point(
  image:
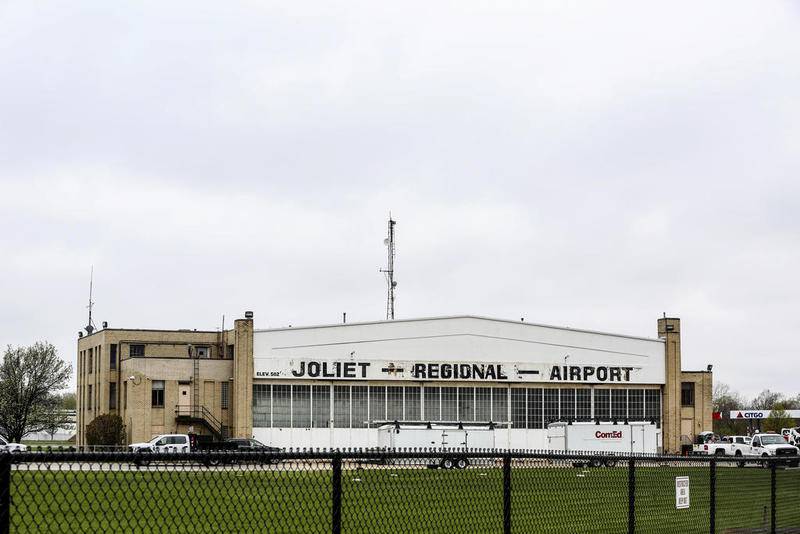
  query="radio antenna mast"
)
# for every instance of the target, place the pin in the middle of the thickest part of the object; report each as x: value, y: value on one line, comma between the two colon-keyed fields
x: 90, y: 327
x: 389, y: 271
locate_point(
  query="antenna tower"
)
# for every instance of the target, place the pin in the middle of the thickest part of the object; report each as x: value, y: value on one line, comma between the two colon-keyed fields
x: 90, y: 327
x: 389, y: 271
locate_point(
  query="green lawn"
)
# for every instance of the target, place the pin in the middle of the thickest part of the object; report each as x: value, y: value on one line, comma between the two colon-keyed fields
x: 557, y: 500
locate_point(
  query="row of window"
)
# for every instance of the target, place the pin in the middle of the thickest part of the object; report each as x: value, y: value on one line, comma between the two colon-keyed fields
x: 304, y: 406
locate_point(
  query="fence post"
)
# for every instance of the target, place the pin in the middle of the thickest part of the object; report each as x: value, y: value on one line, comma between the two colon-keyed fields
x: 507, y: 493
x: 712, y: 483
x: 631, y: 496
x: 5, y: 492
x: 773, y: 488
x: 336, y: 506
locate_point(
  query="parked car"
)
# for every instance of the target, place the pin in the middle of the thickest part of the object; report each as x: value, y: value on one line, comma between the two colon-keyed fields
x: 253, y: 445
x: 766, y: 445
x: 5, y: 446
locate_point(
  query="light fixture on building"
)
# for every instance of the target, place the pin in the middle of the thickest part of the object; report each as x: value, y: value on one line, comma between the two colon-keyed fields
x: 709, y: 367
x: 248, y: 315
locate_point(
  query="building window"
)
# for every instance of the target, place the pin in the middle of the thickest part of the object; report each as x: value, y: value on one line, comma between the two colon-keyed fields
x: 412, y: 403
x: 517, y: 408
x: 687, y: 393
x: 229, y: 352
x: 466, y: 404
x: 91, y: 367
x: 321, y: 406
x: 535, y: 408
x: 202, y: 352
x: 636, y: 404
x: 449, y: 404
x: 602, y: 404
x: 394, y: 403
x: 550, y: 406
x: 112, y: 396
x: 483, y: 404
x: 112, y: 357
x: 652, y: 405
x: 89, y: 398
x: 359, y: 406
x: 301, y: 407
x: 500, y: 405
x: 583, y: 404
x: 137, y: 351
x: 157, y: 394
x: 341, y: 406
x: 432, y: 406
x: 568, y: 404
x: 125, y: 396
x: 377, y: 404
x: 262, y: 405
x: 619, y: 408
x: 225, y: 395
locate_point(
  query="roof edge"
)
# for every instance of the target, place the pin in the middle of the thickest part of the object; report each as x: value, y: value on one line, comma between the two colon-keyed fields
x: 447, y: 317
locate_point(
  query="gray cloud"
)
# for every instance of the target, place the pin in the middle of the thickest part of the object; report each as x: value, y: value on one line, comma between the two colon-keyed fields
x: 591, y: 165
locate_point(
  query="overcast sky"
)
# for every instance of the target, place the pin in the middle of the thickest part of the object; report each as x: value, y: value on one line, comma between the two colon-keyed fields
x: 589, y: 164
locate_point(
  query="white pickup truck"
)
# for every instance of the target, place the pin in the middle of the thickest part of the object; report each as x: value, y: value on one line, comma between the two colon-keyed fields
x: 727, y: 446
x: 163, y: 443
x: 5, y: 446
x: 766, y: 445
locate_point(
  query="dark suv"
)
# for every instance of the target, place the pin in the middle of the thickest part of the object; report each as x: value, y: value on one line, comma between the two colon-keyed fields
x: 253, y: 445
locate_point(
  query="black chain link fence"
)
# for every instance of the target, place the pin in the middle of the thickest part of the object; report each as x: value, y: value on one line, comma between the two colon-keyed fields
x: 389, y: 492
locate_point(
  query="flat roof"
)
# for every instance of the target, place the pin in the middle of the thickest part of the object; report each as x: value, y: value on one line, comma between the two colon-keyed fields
x: 180, y: 331
x: 446, y: 317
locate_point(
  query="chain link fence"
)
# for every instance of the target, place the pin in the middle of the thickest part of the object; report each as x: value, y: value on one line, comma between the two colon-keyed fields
x: 388, y: 492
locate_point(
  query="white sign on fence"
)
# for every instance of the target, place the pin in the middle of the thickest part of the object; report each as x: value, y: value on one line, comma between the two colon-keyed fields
x: 681, y: 492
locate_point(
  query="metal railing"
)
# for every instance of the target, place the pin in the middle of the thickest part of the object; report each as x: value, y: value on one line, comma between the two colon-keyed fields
x: 200, y: 414
x: 377, y: 491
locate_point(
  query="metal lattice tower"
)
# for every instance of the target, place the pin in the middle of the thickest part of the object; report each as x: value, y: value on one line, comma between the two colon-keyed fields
x: 389, y: 271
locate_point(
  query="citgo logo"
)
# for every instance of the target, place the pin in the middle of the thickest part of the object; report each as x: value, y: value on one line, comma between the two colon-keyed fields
x: 614, y: 434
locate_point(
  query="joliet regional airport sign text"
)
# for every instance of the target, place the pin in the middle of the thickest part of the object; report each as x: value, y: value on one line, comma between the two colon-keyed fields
x: 405, y: 370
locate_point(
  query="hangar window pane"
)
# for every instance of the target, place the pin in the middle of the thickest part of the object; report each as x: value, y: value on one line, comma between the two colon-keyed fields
x: 359, y: 406
x: 619, y: 404
x: 500, y: 405
x: 449, y: 404
x: 550, y: 405
x: 602, y: 404
x: 262, y: 403
x: 636, y: 404
x: 432, y: 412
x: 583, y: 404
x: 394, y: 403
x: 568, y: 404
x: 377, y: 403
x: 466, y: 404
x: 301, y: 406
x: 321, y: 406
x: 483, y: 404
x: 517, y: 408
x: 281, y: 406
x: 412, y: 403
x: 652, y: 408
x: 341, y: 406
x: 535, y: 408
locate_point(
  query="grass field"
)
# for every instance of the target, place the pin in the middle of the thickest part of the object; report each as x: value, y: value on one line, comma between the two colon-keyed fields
x: 285, y: 499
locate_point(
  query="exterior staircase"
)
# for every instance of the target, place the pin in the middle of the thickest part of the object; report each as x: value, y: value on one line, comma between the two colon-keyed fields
x: 199, y: 415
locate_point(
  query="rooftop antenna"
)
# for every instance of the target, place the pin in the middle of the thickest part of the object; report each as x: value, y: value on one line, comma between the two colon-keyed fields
x: 90, y: 327
x: 389, y: 271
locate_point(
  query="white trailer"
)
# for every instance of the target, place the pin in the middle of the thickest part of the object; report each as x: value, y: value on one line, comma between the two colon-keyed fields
x: 631, y: 438
x: 453, y: 441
